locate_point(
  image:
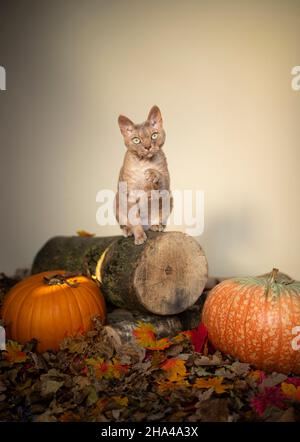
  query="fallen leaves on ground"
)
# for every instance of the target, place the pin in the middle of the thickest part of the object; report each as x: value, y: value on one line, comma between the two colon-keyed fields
x: 14, y: 353
x: 175, y: 369
x: 106, y: 369
x: 216, y: 383
x: 179, y: 378
x: 146, y: 337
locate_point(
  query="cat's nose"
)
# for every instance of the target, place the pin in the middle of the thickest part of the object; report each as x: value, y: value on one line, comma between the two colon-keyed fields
x: 148, y: 147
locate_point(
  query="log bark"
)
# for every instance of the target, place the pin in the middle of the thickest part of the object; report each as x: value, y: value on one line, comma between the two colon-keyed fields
x: 164, y: 276
x: 72, y: 253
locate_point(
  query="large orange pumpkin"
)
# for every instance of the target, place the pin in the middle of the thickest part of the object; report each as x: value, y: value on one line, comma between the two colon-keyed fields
x: 254, y: 319
x: 50, y: 306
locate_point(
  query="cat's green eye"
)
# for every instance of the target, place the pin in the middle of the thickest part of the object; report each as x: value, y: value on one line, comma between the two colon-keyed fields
x: 136, y: 140
x: 154, y: 135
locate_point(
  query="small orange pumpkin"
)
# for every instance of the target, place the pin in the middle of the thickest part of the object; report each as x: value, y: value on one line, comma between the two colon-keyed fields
x: 254, y: 319
x: 50, y: 306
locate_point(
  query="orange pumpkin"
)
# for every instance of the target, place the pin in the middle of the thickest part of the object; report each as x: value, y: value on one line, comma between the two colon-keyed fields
x: 254, y: 319
x: 50, y: 306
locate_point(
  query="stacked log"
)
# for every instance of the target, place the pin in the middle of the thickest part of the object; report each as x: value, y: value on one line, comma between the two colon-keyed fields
x: 164, y: 276
x: 123, y: 322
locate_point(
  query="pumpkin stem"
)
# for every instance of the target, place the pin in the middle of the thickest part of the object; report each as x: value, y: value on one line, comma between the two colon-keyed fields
x: 274, y: 275
x: 60, y: 279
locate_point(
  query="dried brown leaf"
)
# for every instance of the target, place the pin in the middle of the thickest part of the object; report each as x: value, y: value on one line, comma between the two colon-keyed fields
x: 273, y: 379
x: 240, y: 368
x: 49, y: 387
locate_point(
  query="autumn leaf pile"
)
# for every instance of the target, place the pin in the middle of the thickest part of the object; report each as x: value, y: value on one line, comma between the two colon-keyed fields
x: 94, y: 378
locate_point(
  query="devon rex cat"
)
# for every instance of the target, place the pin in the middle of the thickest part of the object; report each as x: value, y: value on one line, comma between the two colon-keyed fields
x: 144, y: 177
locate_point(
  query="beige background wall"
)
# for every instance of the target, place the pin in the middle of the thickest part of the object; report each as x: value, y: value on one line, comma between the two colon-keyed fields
x: 221, y: 73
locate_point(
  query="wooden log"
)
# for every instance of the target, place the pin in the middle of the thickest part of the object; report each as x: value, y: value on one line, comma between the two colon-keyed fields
x: 121, y: 322
x: 72, y: 253
x: 164, y: 276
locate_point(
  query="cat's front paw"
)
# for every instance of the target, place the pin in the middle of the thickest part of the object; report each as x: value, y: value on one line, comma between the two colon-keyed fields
x: 152, y: 177
x: 127, y: 231
x: 157, y: 228
x: 140, y: 238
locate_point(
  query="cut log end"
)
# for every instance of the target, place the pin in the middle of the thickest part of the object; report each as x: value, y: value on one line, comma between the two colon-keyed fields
x: 171, y: 274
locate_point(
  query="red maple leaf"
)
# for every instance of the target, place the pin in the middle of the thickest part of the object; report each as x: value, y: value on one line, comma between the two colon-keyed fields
x: 199, y: 337
x: 271, y: 396
x: 294, y: 381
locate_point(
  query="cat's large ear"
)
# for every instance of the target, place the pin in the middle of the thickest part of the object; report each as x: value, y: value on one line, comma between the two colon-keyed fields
x: 126, y: 126
x: 155, y: 118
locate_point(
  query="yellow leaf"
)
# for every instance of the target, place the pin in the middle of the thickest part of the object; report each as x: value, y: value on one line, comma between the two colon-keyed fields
x: 160, y: 344
x: 94, y: 362
x: 145, y: 335
x: 85, y: 234
x: 181, y: 337
x: 215, y: 383
x: 14, y: 353
x: 291, y: 391
x: 175, y: 369
x: 107, y: 370
x: 164, y: 385
x: 118, y: 369
x: 257, y: 375
x: 102, y: 369
x: 119, y: 400
x: 157, y: 359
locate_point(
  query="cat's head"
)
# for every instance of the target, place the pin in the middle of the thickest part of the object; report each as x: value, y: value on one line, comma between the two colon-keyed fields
x: 145, y: 139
